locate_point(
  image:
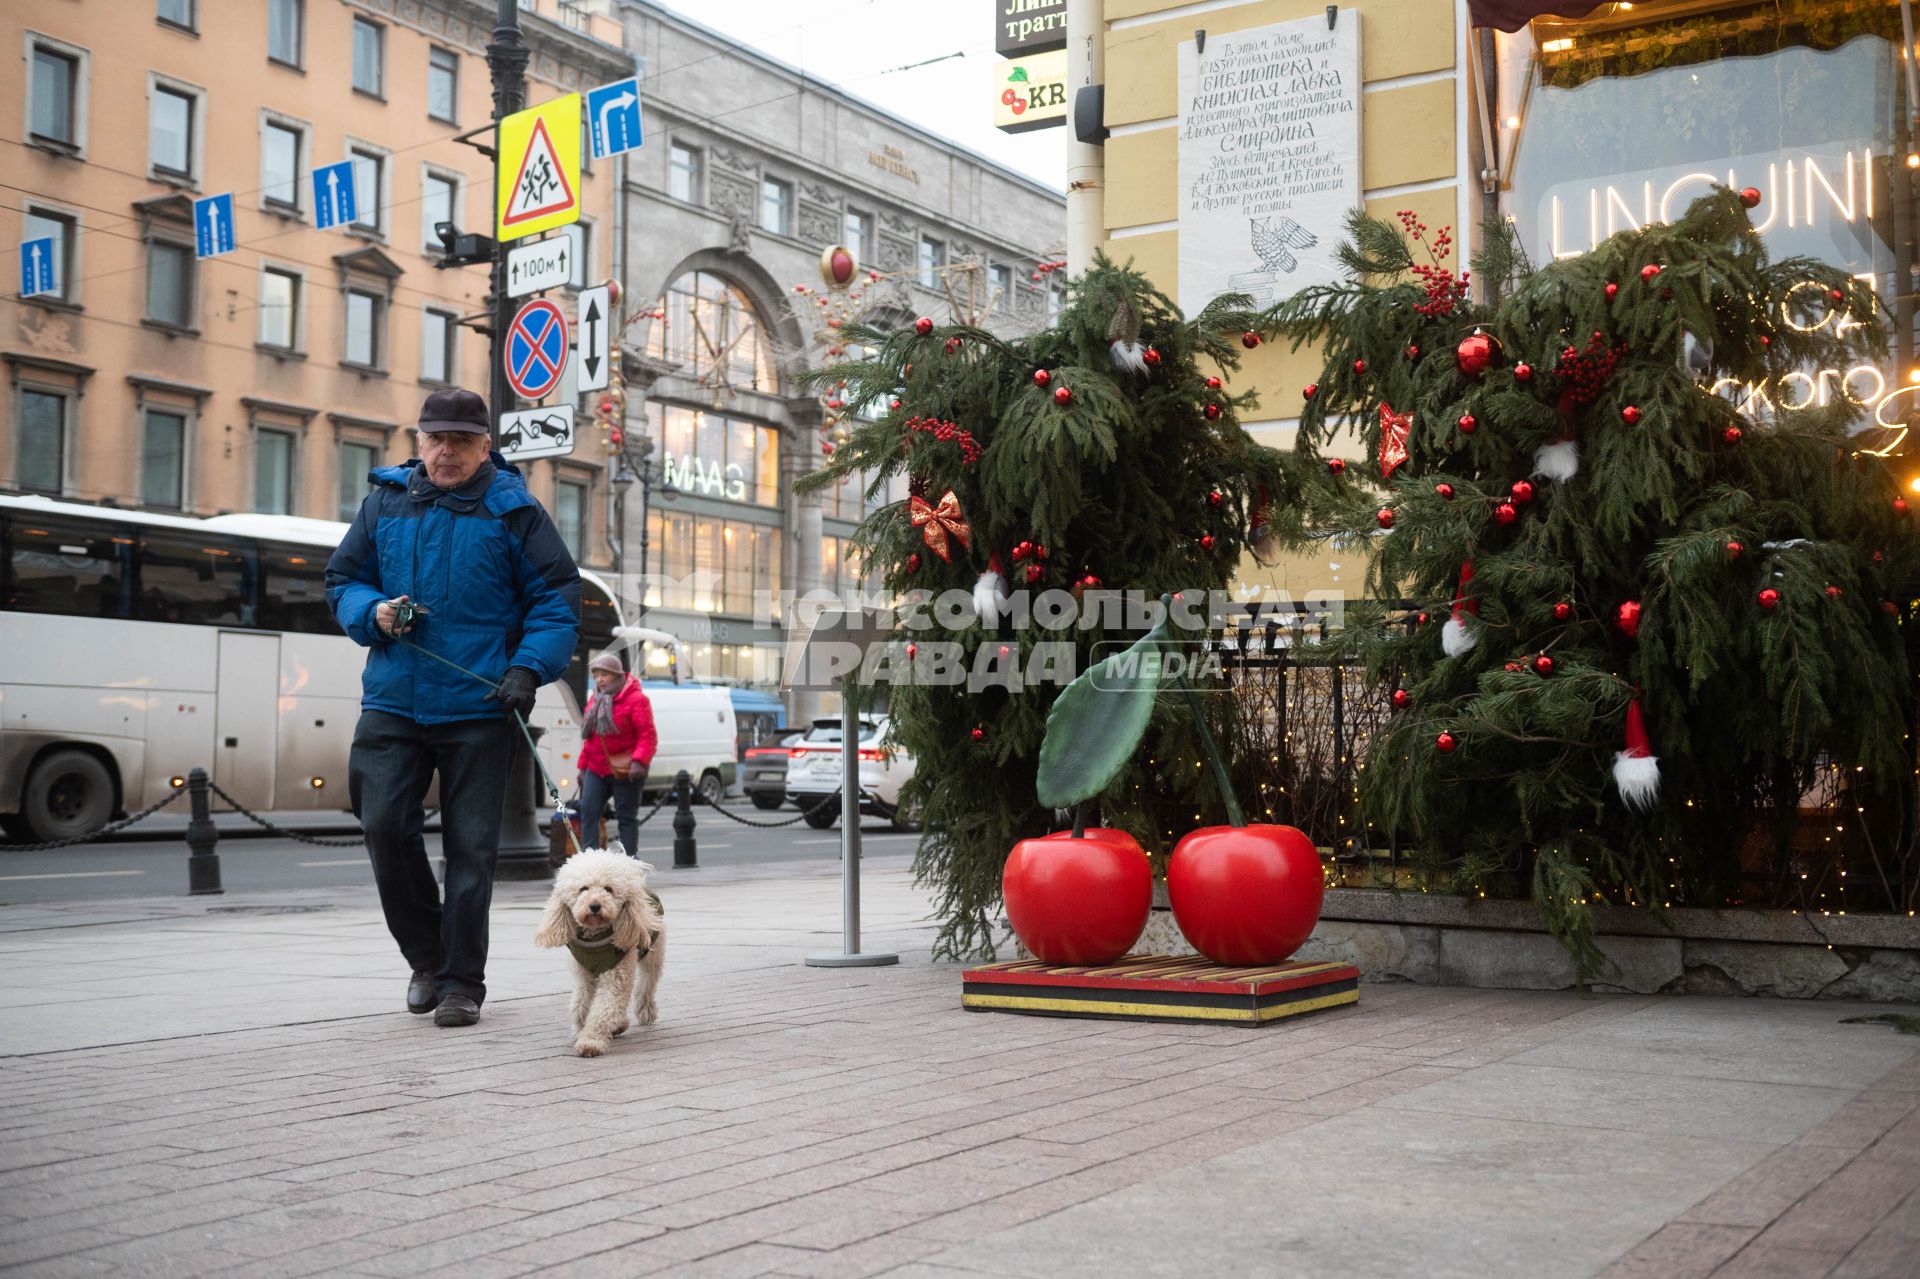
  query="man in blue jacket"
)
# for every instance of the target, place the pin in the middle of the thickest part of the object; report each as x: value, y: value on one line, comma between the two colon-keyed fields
x: 455, y: 532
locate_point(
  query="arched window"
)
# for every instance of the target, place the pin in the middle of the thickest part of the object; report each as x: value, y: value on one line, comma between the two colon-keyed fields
x: 712, y: 332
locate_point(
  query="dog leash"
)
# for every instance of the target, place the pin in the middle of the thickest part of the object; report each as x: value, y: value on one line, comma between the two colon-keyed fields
x: 403, y: 616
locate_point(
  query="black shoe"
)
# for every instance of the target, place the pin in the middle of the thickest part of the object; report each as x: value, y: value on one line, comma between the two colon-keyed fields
x: 456, y: 1010
x: 420, y: 996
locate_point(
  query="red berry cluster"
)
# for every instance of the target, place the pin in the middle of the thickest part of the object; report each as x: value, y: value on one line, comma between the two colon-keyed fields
x: 969, y: 448
x: 1048, y: 268
x: 1584, y: 374
x: 1445, y: 290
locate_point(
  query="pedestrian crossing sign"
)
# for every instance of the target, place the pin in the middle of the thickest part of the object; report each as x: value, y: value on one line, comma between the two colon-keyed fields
x: 539, y: 182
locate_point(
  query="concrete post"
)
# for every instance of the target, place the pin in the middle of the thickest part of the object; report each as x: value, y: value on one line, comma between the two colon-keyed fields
x: 203, y: 863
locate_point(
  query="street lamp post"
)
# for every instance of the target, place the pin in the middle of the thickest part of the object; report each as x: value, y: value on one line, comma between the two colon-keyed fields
x: 507, y: 60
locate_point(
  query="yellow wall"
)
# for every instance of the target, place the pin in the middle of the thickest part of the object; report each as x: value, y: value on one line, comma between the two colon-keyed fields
x: 1408, y: 138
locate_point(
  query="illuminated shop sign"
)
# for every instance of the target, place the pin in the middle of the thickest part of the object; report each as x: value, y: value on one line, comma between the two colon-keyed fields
x: 708, y: 479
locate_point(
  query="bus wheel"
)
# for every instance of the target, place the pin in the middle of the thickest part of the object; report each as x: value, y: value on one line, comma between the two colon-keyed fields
x: 711, y: 788
x: 68, y: 793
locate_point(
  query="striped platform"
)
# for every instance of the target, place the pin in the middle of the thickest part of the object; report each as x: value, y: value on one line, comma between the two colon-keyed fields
x: 1161, y: 988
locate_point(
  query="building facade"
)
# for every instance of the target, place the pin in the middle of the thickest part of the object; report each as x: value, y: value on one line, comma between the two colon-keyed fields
x: 269, y: 378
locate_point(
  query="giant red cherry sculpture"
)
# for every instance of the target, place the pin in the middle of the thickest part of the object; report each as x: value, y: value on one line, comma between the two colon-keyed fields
x: 1245, y: 895
x: 1078, y: 902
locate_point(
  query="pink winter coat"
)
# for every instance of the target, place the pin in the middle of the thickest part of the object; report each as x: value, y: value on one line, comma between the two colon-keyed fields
x: 632, y: 731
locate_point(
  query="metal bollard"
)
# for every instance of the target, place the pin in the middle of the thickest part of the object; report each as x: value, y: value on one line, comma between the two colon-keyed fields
x: 203, y: 863
x: 685, y: 855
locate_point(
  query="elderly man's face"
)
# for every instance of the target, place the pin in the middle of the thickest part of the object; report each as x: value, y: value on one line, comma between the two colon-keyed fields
x: 451, y: 457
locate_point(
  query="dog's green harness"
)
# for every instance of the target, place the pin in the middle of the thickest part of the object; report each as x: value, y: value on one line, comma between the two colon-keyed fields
x: 596, y: 952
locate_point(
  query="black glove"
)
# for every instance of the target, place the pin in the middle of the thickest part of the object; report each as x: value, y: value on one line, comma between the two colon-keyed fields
x: 518, y: 687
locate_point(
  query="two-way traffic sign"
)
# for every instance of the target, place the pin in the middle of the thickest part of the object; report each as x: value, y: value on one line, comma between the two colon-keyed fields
x: 334, y: 201
x: 36, y: 267
x: 544, y: 264
x: 613, y: 112
x: 536, y: 349
x: 593, y: 331
x: 213, y: 225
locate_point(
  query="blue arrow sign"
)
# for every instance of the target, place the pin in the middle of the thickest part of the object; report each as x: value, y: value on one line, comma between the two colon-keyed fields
x: 613, y: 110
x: 36, y: 267
x: 334, y: 201
x: 213, y: 225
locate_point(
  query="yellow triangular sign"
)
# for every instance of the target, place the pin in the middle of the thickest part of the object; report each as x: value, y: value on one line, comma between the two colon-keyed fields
x: 539, y: 186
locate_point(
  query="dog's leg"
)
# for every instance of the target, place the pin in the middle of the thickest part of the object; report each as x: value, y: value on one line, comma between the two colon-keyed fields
x: 582, y: 996
x: 608, y: 1009
x: 648, y: 982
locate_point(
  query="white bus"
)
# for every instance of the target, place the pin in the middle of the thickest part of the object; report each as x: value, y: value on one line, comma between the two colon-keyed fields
x: 137, y: 646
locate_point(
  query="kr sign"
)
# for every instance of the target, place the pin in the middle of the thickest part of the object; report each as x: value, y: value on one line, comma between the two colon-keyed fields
x: 539, y: 185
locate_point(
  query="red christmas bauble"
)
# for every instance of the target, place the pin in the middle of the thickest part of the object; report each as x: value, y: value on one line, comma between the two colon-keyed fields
x: 978, y: 734
x: 1543, y: 664
x: 1078, y: 902
x: 1562, y: 611
x: 1307, y: 391
x: 1836, y: 295
x: 894, y: 403
x: 1899, y: 506
x: 1152, y: 357
x: 1769, y: 599
x: 1063, y: 396
x: 1213, y: 384
x: 1384, y: 517
x: 1765, y: 340
x: 923, y: 326
x: 1612, y: 290
x: 1524, y: 372
x: 1476, y: 354
x: 1468, y: 424
x: 1413, y: 352
x: 1249, y: 340
x: 1505, y: 513
x: 1212, y: 412
x: 913, y: 650
x: 1041, y: 377
x: 1522, y: 492
x: 1889, y: 608
x: 1833, y: 592
x: 1648, y: 271
x: 1878, y: 556
x: 1750, y: 196
x: 1337, y: 465
x: 1735, y: 550
x: 1402, y: 699
x: 952, y: 345
x: 1731, y: 435
x: 1421, y: 619
x: 1626, y: 618
x: 1020, y: 550
x: 1245, y: 895
x: 1206, y: 542
x: 1215, y: 498
x: 913, y: 562
x: 1445, y: 743
x: 1359, y: 366
x: 1444, y: 490
x: 1630, y: 415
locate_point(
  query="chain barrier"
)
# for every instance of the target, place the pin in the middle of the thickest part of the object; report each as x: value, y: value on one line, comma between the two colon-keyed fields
x: 355, y: 842
x: 805, y: 813
x: 108, y: 829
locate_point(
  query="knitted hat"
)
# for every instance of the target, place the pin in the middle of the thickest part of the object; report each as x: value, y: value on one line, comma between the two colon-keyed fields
x: 608, y: 662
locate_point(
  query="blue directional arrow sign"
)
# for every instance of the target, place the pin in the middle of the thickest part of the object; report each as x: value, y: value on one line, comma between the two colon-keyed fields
x: 613, y: 111
x: 213, y: 225
x: 334, y: 201
x: 36, y: 267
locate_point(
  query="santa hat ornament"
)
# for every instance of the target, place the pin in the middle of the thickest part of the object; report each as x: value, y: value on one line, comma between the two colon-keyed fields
x: 990, y: 592
x: 1124, y: 347
x: 1558, y: 461
x: 1455, y: 637
x: 1635, y: 770
x: 1262, y: 541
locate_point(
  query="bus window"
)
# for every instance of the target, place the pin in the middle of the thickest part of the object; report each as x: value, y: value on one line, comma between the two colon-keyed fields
x: 197, y: 579
x: 65, y: 566
x: 293, y: 590
x: 598, y: 617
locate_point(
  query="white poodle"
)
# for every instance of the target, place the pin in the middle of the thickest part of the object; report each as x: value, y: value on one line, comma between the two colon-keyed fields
x: 604, y: 913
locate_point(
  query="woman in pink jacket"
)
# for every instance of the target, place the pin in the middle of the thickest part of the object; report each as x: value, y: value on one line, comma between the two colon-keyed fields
x: 617, y: 745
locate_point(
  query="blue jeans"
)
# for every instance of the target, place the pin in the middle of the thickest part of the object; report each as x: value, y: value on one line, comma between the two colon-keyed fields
x: 596, y: 790
x: 392, y: 764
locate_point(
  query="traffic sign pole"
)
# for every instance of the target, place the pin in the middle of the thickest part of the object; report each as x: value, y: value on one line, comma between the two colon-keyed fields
x: 507, y: 61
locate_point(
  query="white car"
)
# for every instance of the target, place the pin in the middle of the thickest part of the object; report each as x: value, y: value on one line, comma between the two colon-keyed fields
x: 813, y: 773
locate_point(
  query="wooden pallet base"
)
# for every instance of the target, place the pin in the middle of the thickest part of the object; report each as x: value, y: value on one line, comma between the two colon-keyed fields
x: 1161, y: 988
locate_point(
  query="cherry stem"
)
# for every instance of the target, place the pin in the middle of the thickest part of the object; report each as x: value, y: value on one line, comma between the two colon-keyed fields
x: 1234, y: 815
x: 1079, y: 821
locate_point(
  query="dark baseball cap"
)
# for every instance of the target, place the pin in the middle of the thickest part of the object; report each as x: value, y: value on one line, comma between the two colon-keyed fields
x: 455, y: 410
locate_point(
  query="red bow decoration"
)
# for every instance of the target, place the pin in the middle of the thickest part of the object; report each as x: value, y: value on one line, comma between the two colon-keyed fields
x: 936, y: 523
x: 1393, y: 440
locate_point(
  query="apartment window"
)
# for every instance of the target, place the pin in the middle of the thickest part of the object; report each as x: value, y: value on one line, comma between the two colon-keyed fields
x: 170, y: 131
x: 859, y: 236
x: 356, y: 460
x: 56, y: 78
x: 369, y: 187
x: 42, y: 224
x: 684, y: 167
x: 570, y: 514
x: 436, y: 345
x: 369, y: 57
x: 1000, y: 278
x: 933, y: 261
x: 286, y: 23
x: 1056, y: 296
x: 273, y: 472
x: 364, y: 324
x: 776, y: 206
x: 177, y: 13
x: 41, y: 446
x: 443, y: 84
x: 279, y: 308
x: 163, y: 451
x: 581, y: 233
x: 280, y: 146
x: 439, y: 199
x: 170, y: 283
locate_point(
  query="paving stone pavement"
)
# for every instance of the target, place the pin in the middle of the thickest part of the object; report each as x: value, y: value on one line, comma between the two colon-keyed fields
x: 226, y: 1086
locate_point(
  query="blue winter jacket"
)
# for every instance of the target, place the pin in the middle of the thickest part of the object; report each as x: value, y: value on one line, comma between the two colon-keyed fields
x: 488, y: 562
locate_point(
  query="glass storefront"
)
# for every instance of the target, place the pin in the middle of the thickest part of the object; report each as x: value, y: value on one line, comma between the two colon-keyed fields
x: 710, y: 564
x: 709, y: 454
x: 1629, y: 115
